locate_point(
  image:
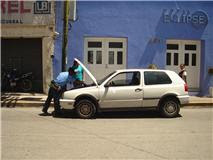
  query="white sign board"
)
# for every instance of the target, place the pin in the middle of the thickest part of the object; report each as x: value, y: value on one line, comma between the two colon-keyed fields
x: 27, y: 12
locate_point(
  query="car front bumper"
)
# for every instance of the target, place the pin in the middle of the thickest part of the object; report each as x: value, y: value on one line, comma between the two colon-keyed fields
x: 67, y: 103
x: 183, y: 99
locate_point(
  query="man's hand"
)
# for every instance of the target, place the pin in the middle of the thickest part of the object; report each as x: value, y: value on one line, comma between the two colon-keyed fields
x: 59, y: 88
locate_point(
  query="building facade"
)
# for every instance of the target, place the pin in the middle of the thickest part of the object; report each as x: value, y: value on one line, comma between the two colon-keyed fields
x: 27, y: 39
x: 114, y: 35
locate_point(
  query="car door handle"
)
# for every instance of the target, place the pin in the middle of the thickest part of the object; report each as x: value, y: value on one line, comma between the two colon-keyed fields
x: 138, y: 90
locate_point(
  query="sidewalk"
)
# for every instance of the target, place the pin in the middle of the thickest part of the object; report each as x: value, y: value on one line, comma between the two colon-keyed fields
x: 37, y: 100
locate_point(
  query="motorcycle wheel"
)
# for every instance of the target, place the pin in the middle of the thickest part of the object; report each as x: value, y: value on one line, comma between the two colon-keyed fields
x: 26, y: 85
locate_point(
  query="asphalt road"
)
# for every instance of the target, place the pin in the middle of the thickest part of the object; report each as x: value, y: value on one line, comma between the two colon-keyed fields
x: 115, y: 135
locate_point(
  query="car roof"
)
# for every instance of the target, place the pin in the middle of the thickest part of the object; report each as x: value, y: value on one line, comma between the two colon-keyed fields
x: 123, y: 70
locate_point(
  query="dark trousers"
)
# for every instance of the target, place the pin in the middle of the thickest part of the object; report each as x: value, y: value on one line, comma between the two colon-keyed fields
x: 55, y: 95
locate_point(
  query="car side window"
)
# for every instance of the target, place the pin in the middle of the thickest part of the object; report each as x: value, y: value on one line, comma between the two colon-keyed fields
x: 154, y: 78
x: 125, y: 79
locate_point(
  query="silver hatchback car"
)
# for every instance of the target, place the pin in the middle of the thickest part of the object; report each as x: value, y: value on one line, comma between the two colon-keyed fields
x: 129, y: 89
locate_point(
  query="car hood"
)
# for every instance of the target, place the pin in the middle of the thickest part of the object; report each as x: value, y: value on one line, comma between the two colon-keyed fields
x: 73, y: 93
x: 87, y: 71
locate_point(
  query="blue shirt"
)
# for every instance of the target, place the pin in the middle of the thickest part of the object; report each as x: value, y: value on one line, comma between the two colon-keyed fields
x: 64, y: 78
x: 78, y: 72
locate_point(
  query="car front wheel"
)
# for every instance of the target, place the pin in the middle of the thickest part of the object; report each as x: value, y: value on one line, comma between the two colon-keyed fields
x: 85, y: 109
x: 170, y: 108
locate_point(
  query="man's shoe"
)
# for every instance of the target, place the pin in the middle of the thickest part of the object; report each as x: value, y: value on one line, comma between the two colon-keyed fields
x: 44, y: 111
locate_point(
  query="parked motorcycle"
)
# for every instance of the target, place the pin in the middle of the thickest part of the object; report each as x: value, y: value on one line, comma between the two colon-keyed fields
x: 12, y: 81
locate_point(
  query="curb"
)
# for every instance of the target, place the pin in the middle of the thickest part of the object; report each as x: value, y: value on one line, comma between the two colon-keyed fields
x: 198, y: 104
x: 197, y: 107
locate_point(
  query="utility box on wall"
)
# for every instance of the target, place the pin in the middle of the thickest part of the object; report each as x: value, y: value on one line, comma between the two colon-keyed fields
x: 72, y: 15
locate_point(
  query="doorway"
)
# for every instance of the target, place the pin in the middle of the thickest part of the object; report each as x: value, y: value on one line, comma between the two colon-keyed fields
x: 25, y: 55
x: 185, y: 52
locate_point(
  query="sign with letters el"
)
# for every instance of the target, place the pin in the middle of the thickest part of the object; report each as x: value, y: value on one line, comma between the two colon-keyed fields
x: 27, y: 12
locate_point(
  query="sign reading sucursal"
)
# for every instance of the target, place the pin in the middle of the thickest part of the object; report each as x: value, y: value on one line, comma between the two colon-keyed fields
x: 26, y: 12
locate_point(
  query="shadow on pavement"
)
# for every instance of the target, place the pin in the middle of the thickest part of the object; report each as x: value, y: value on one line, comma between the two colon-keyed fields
x: 70, y: 114
x: 44, y: 114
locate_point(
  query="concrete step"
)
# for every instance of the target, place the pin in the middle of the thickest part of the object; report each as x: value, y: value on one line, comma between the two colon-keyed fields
x: 15, y: 103
x: 22, y: 99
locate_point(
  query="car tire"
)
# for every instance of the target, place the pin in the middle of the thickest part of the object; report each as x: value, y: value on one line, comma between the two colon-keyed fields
x: 170, y: 108
x: 85, y: 109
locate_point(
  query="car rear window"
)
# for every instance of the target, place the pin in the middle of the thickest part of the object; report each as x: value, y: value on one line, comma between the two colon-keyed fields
x: 154, y: 78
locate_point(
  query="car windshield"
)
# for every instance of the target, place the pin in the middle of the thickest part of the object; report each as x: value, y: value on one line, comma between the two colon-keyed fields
x: 103, y: 79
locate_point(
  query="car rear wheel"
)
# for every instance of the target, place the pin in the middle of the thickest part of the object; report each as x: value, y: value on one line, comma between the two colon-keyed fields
x: 85, y: 109
x: 170, y: 108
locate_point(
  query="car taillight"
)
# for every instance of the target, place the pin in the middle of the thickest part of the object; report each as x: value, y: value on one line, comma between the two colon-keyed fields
x: 186, y: 87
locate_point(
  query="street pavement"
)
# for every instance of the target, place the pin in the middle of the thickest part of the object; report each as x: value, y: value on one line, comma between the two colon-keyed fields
x: 26, y: 134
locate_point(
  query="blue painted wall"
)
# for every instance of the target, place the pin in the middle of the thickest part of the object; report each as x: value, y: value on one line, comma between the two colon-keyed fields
x: 143, y: 25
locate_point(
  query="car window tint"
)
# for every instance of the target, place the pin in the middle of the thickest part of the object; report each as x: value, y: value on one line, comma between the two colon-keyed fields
x: 154, y: 78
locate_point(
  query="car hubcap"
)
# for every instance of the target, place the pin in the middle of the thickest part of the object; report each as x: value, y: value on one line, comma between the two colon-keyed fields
x: 85, y: 109
x: 170, y: 107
